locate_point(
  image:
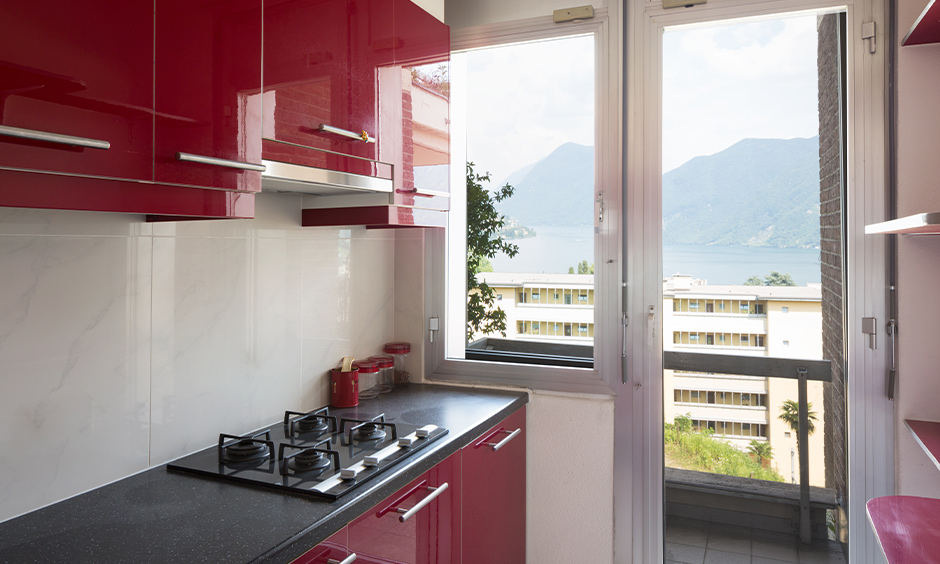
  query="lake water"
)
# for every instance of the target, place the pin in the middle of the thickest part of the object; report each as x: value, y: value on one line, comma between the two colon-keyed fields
x: 557, y: 248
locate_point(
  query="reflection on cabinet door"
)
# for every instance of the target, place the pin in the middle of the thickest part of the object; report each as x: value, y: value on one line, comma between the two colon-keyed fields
x: 319, y: 87
x: 77, y: 87
x: 208, y: 94
x: 494, y: 494
x: 419, y: 524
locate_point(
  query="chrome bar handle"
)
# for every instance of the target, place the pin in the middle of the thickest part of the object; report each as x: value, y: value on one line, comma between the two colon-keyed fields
x: 191, y: 158
x: 408, y: 513
x: 502, y: 443
x: 364, y: 137
x: 348, y: 560
x: 54, y: 137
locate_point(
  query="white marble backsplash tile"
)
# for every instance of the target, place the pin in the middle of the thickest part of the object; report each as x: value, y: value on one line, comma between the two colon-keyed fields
x: 125, y: 344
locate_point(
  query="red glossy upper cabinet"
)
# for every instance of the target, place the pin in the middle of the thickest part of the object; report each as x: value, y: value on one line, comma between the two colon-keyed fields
x: 76, y: 87
x: 494, y: 518
x: 423, y: 54
x: 320, y: 105
x: 208, y: 94
x: 419, y: 524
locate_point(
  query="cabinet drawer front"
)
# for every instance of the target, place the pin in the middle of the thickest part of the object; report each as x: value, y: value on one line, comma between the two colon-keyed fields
x: 430, y: 534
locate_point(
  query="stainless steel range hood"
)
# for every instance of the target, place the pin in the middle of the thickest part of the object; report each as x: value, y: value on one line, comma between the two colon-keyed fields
x: 285, y: 177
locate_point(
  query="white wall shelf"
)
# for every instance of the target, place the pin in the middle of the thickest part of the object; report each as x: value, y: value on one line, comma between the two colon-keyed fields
x: 917, y: 224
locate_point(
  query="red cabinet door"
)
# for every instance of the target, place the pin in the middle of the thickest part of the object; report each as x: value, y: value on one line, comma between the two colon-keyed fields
x: 419, y: 524
x: 330, y: 551
x: 494, y: 494
x: 208, y: 94
x: 320, y: 104
x: 76, y: 87
x: 423, y: 53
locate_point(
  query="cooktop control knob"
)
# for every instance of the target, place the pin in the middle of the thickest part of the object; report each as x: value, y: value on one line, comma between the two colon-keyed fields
x: 370, y: 461
x: 425, y: 431
x: 406, y: 441
x: 348, y: 473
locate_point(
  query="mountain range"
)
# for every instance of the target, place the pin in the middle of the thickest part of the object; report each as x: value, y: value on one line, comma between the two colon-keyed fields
x: 756, y: 193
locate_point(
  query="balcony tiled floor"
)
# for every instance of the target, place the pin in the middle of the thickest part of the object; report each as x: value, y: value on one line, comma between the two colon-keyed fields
x: 697, y: 542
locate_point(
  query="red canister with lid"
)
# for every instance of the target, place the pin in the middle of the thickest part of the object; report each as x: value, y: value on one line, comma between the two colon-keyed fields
x: 344, y: 385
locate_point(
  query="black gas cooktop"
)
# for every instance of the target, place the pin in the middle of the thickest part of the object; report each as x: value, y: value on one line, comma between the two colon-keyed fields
x: 311, y: 453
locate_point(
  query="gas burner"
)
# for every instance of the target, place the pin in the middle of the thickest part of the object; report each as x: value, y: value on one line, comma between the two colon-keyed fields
x: 247, y: 448
x: 370, y: 430
x: 315, y: 422
x: 308, y: 459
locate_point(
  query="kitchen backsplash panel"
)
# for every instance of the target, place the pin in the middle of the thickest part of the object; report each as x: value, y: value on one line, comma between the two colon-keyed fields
x: 125, y: 344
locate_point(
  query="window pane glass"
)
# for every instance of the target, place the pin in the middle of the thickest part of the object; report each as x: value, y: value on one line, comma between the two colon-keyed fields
x: 530, y: 126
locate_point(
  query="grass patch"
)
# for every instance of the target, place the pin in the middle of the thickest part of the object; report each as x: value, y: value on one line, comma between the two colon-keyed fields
x: 702, y: 452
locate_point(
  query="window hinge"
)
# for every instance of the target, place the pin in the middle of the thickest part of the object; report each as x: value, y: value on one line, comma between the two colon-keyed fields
x: 868, y: 32
x: 600, y: 207
x: 434, y: 325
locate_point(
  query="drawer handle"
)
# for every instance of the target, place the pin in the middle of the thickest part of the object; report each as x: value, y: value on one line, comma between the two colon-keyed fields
x: 502, y: 443
x: 191, y: 158
x: 348, y: 560
x: 364, y: 137
x: 54, y: 137
x: 408, y: 513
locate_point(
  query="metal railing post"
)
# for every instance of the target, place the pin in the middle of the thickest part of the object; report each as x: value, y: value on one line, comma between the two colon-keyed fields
x: 806, y: 532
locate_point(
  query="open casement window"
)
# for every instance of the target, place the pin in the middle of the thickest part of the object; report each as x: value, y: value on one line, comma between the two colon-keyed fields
x: 536, y: 105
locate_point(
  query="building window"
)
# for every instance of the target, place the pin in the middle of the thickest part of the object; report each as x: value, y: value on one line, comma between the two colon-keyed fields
x: 786, y: 343
x: 784, y: 309
x: 499, y: 297
x: 535, y: 296
x: 522, y: 297
x: 567, y: 299
x: 693, y: 337
x: 709, y: 339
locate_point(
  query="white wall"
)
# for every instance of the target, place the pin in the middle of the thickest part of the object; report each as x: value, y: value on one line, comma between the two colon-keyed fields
x: 125, y: 344
x: 569, y: 479
x: 919, y: 257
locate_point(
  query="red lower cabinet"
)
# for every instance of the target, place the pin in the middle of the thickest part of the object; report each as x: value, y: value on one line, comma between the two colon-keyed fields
x: 494, y: 518
x: 331, y: 551
x: 419, y: 524
x: 468, y: 509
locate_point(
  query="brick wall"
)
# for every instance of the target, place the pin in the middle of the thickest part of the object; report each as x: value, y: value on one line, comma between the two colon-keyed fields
x: 831, y: 256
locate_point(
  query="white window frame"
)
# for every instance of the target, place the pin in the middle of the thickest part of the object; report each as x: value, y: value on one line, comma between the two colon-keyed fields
x: 608, y: 170
x: 638, y: 479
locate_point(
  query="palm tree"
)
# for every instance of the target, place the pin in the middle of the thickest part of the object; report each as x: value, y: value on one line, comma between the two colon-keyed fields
x: 790, y: 414
x: 761, y: 450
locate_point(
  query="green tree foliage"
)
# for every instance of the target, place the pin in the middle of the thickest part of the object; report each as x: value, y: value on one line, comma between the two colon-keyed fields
x: 773, y: 279
x: 583, y: 268
x: 761, y: 450
x: 790, y: 414
x: 484, y: 243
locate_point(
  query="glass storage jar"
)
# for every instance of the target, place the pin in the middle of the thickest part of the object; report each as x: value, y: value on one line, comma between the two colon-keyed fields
x: 386, y: 375
x: 400, y: 352
x: 368, y: 378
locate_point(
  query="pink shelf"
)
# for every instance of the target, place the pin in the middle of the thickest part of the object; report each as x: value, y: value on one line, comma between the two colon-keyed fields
x: 927, y: 434
x: 927, y: 27
x: 907, y: 527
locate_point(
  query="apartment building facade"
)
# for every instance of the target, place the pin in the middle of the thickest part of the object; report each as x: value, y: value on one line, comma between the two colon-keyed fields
x: 772, y: 321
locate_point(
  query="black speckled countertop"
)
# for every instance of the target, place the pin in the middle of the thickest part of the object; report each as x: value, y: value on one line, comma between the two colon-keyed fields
x: 160, y: 516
